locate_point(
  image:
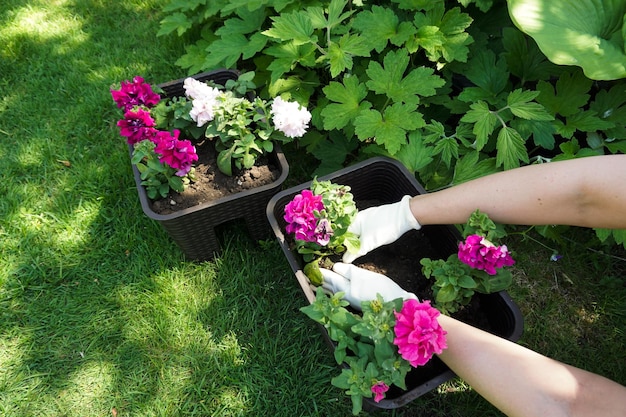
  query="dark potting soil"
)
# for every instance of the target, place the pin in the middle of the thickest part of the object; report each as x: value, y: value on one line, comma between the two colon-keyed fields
x: 211, y: 184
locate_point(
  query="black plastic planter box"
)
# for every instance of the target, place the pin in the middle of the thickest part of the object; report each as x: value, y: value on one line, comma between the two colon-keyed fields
x: 193, y: 229
x: 387, y: 181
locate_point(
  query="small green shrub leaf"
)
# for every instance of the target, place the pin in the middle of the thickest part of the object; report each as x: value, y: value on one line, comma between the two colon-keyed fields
x: 347, y: 102
x: 511, y: 148
x: 295, y: 26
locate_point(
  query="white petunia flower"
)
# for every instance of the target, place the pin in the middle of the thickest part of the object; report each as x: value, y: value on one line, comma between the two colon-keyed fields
x: 197, y: 90
x: 202, y: 111
x: 290, y: 118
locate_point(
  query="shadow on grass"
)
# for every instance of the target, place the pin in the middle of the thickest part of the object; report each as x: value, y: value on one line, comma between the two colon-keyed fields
x: 98, y: 309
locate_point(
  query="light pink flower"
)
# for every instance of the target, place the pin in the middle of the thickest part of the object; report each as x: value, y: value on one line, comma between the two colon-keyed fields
x: 300, y: 215
x: 323, y: 232
x: 379, y: 389
x: 290, y: 118
x: 479, y: 253
x: 418, y: 333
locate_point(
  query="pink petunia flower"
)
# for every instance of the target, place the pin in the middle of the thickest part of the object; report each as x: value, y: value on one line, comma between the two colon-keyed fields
x: 179, y: 154
x: 300, y: 215
x: 379, y: 389
x: 418, y: 333
x: 479, y: 253
x: 137, y: 126
x: 290, y: 118
x: 137, y: 93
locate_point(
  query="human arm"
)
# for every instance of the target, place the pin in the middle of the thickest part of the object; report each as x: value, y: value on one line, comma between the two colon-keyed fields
x: 523, y: 383
x: 588, y: 192
x: 516, y: 380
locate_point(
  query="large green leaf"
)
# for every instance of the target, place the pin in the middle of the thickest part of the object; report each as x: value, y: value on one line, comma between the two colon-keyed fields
x: 586, y: 33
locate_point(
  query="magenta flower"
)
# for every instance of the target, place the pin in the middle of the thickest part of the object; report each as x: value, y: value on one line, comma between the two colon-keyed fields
x: 137, y: 126
x: 379, y: 389
x: 479, y: 253
x: 418, y: 333
x: 300, y: 215
x: 134, y: 94
x: 179, y: 154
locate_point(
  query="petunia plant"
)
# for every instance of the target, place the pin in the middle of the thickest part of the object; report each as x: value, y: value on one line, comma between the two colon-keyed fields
x: 164, y: 162
x: 241, y: 126
x: 478, y: 266
x: 380, y: 346
x: 318, y: 219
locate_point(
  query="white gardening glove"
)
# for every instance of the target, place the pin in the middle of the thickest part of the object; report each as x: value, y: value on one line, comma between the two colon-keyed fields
x: 360, y: 284
x: 377, y: 226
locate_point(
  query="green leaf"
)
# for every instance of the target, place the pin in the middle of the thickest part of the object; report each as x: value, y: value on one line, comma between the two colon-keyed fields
x: 587, y: 33
x: 340, y: 54
x: 224, y: 161
x: 484, y: 122
x: 295, y: 26
x: 176, y: 184
x: 568, y: 96
x: 446, y: 294
x: 390, y: 81
x: 466, y: 281
x: 381, y: 25
x: 541, y: 131
x: 176, y: 22
x: 347, y: 106
x: 226, y: 51
x: 336, y: 16
x: 247, y: 22
x: 287, y: 55
x: 333, y: 151
x: 523, y: 57
x: 448, y: 148
x: 415, y: 4
x: 470, y: 166
x: 584, y: 121
x: 519, y: 102
x: 388, y: 129
x: 487, y: 72
x: 450, y: 41
x: 414, y: 155
x: 511, y: 148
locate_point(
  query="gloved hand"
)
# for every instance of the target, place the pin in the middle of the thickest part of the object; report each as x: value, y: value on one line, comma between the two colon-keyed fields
x: 361, y: 285
x: 377, y: 226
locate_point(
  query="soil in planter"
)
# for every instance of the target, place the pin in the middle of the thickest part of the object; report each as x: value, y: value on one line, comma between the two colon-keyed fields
x: 400, y: 261
x: 211, y: 184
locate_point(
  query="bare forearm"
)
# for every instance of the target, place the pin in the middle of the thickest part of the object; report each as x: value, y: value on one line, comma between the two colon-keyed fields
x: 523, y: 383
x: 587, y: 192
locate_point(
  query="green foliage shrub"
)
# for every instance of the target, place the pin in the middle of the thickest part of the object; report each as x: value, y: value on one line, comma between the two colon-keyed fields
x: 451, y: 88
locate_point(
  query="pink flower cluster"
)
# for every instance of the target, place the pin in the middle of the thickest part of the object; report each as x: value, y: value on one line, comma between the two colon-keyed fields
x: 135, y: 94
x: 300, y: 215
x: 135, y: 98
x: 379, y: 389
x: 479, y: 253
x: 179, y: 154
x: 418, y: 333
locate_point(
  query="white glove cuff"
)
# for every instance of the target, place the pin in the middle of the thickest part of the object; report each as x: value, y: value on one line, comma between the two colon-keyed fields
x: 407, y: 215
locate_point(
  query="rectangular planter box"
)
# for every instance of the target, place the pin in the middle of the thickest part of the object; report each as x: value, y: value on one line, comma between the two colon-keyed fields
x: 387, y: 181
x: 193, y: 229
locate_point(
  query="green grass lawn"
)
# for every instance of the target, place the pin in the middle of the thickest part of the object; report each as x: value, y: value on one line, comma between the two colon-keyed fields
x: 100, y: 314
